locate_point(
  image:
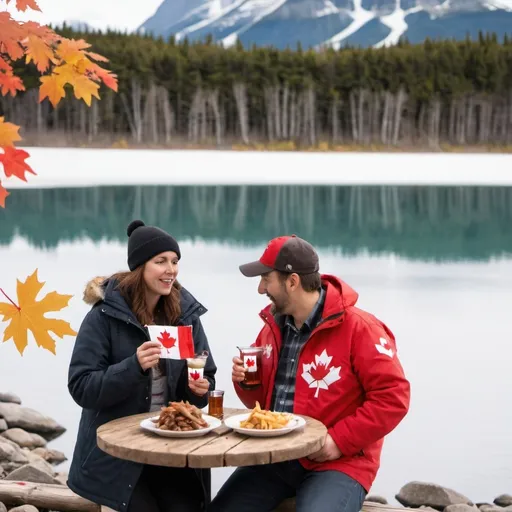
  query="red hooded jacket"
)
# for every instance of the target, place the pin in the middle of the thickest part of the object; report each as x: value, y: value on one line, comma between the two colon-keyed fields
x: 349, y: 378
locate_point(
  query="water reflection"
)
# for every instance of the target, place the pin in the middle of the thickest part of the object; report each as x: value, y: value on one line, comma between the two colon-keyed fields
x: 436, y: 223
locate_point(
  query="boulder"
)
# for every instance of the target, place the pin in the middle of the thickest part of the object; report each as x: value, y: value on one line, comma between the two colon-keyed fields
x: 503, y: 500
x: 62, y: 478
x: 3, y: 508
x: 377, y: 499
x: 52, y: 456
x: 39, y: 462
x: 11, y: 452
x: 24, y: 439
x: 24, y: 508
x: 10, y: 398
x: 487, y: 507
x: 3, y: 425
x: 2, y: 473
x: 31, y: 473
x: 30, y: 420
x: 461, y: 507
x: 416, y: 494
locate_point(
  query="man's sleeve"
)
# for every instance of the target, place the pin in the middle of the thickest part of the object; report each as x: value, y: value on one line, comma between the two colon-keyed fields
x: 387, y: 391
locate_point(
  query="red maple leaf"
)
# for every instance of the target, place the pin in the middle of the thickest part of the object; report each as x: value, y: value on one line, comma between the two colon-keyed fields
x: 250, y: 362
x: 319, y: 372
x: 13, y: 160
x: 195, y: 375
x: 3, y: 195
x: 166, y: 340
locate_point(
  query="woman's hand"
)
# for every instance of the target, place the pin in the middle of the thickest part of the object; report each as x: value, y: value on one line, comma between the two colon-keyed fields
x: 199, y: 387
x: 148, y: 354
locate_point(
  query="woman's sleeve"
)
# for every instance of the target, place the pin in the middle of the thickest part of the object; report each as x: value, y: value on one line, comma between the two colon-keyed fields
x: 93, y: 382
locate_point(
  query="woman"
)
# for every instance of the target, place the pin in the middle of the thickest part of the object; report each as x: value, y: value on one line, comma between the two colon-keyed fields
x: 116, y: 372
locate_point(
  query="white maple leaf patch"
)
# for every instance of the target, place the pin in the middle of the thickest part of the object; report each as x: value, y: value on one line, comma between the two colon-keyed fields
x: 267, y: 351
x: 318, y: 374
x: 382, y: 349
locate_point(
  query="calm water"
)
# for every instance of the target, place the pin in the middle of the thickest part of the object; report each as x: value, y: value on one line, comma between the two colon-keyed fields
x: 434, y: 263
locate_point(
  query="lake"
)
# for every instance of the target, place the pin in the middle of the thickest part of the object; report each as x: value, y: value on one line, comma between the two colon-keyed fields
x: 429, y: 261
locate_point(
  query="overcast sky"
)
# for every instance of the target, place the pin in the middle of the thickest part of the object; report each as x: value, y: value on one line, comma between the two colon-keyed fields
x: 118, y: 14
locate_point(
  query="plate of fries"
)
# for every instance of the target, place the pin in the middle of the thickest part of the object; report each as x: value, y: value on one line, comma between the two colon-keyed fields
x: 263, y: 423
x: 180, y: 419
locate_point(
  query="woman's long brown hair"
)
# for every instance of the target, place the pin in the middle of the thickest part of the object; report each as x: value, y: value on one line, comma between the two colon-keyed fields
x: 133, y: 289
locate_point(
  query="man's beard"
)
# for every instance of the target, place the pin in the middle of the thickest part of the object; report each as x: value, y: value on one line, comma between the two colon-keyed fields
x: 277, y: 307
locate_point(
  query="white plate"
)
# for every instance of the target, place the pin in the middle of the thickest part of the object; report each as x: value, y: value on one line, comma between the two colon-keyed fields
x: 234, y: 423
x: 150, y: 426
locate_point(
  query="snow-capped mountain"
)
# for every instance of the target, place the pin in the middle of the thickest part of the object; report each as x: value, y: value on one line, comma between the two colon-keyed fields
x: 315, y: 23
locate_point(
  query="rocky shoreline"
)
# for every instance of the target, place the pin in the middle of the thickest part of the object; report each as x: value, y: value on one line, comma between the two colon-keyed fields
x: 26, y: 457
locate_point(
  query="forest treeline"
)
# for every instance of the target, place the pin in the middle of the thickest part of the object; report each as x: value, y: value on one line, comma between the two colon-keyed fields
x: 439, y: 92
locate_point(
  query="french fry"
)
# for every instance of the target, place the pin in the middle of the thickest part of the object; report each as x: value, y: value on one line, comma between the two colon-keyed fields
x: 261, y: 419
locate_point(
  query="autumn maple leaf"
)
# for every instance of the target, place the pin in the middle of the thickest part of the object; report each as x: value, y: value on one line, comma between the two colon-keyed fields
x: 29, y: 316
x: 3, y: 195
x: 8, y: 133
x: 23, y: 5
x: 13, y: 160
x: 39, y: 51
x: 166, y: 339
x: 10, y: 83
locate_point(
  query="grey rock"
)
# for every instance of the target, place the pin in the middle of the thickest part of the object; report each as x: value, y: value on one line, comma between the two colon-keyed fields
x: 10, y: 398
x: 3, y: 425
x: 2, y: 473
x: 377, y: 499
x: 23, y: 438
x: 62, y: 478
x: 51, y: 456
x: 11, y: 452
x: 503, y: 500
x: 24, y: 508
x: 31, y: 473
x: 416, y: 494
x: 30, y: 420
x: 3, y: 508
x: 486, y: 507
x: 39, y: 462
x: 461, y: 507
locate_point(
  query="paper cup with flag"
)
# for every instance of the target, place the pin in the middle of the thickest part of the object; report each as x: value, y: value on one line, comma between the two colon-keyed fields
x: 196, y: 365
x: 176, y: 342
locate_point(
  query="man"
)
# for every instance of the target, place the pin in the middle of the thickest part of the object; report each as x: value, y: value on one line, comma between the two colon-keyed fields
x: 323, y: 358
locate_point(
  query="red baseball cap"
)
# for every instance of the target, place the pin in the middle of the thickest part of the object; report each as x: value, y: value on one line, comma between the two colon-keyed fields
x: 286, y: 254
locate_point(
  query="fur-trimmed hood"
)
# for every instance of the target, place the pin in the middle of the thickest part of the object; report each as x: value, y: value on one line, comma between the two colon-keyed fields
x: 94, y: 291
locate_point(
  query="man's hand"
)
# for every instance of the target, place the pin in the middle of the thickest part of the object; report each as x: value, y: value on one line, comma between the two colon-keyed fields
x: 199, y: 387
x: 238, y: 371
x: 329, y: 451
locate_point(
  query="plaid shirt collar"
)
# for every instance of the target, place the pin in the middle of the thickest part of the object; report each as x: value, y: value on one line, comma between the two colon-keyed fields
x: 312, y: 320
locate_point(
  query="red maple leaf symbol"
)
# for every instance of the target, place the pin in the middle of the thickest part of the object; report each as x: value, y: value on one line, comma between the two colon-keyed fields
x: 195, y: 375
x: 319, y: 372
x: 250, y: 362
x: 166, y: 339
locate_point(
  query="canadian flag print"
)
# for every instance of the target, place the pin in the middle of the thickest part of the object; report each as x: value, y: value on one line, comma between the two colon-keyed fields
x: 195, y: 373
x: 250, y: 363
x: 176, y: 342
x: 383, y: 349
x: 319, y: 374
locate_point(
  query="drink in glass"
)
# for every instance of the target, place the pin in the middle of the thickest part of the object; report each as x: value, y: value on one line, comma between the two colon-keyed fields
x: 251, y: 357
x: 216, y: 403
x: 196, y: 365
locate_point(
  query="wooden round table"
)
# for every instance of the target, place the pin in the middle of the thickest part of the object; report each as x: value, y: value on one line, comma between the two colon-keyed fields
x: 123, y: 438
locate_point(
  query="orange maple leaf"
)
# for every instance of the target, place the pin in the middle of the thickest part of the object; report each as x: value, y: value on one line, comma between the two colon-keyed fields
x: 8, y: 133
x: 39, y: 51
x: 3, y: 195
x: 107, y: 77
x: 52, y: 87
x: 14, y: 163
x: 84, y: 88
x: 71, y: 50
x: 11, y: 35
x: 23, y: 5
x: 29, y: 316
x: 10, y: 83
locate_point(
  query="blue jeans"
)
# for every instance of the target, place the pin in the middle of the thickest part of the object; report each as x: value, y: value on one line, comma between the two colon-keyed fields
x: 263, y: 488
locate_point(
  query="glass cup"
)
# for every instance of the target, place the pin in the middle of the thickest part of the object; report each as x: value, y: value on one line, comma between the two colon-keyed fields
x: 251, y: 357
x: 196, y: 365
x: 216, y: 403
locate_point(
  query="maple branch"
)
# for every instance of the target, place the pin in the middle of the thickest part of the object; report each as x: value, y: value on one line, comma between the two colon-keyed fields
x: 10, y: 300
